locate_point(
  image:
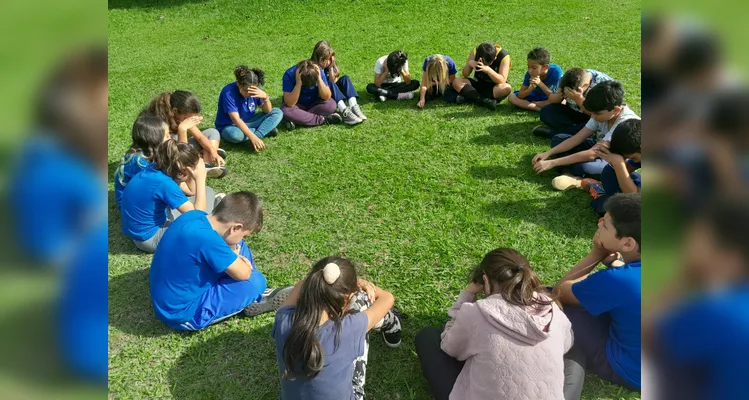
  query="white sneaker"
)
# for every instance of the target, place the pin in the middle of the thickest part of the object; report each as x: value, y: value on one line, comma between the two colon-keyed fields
x: 214, y: 171
x: 349, y: 118
x: 357, y: 111
x: 564, y: 182
x: 406, y: 96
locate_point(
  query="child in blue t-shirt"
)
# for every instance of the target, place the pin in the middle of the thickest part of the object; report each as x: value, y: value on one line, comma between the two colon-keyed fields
x: 307, y: 98
x: 155, y: 191
x: 321, y: 332
x: 238, y: 118
x: 540, y: 82
x: 438, y: 73
x: 148, y: 133
x: 604, y: 306
x: 203, y: 272
x: 343, y: 89
x: 624, y: 159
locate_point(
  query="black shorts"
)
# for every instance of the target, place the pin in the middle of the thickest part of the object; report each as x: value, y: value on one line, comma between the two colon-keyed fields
x: 485, y: 89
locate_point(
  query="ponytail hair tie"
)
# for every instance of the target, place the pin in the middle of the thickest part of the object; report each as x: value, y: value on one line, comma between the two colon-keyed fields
x: 331, y: 272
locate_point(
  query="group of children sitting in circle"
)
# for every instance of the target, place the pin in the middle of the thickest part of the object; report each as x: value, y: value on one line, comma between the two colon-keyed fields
x: 508, y: 335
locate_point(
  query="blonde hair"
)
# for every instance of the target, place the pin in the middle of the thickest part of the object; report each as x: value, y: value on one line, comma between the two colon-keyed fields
x: 436, y: 71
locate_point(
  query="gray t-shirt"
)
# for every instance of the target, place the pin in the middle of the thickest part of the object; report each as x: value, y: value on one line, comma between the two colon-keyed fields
x: 335, y: 379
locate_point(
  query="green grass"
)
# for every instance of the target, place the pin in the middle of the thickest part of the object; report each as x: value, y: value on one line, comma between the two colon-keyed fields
x: 415, y: 198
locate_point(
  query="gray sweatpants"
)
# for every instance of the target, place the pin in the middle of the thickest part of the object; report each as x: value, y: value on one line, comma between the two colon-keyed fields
x: 210, y: 133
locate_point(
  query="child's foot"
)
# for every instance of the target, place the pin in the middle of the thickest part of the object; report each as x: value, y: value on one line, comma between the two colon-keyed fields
x: 271, y: 300
x: 564, y: 182
x: 460, y: 99
x: 405, y: 96
x: 349, y: 118
x: 381, y: 98
x: 593, y: 187
x: 272, y: 133
x: 488, y: 103
x: 357, y: 110
x: 222, y: 153
x: 392, y: 336
x: 333, y: 119
x: 288, y: 125
x: 217, y: 199
x: 214, y: 171
x: 542, y: 131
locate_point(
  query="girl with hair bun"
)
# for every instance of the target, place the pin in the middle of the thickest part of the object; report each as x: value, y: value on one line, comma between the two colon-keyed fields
x: 392, y: 80
x: 238, y: 118
x: 321, y: 332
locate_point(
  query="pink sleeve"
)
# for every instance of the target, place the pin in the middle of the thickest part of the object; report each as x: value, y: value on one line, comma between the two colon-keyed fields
x: 456, y: 338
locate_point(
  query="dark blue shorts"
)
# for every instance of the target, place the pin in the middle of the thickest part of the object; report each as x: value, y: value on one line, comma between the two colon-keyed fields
x: 533, y: 97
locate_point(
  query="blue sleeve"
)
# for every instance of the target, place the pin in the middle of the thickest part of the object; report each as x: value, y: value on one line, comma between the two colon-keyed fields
x: 687, y: 333
x: 598, y: 292
x: 172, y: 195
x: 527, y: 79
x: 357, y: 325
x: 216, y: 253
x: 424, y: 67
x: 282, y: 321
x: 229, y: 105
x: 289, y: 80
x: 553, y: 77
x: 325, y: 79
x: 259, y: 102
x: 451, y: 68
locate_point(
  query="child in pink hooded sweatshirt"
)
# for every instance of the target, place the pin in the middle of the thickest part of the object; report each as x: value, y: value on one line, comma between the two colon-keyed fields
x: 508, y: 345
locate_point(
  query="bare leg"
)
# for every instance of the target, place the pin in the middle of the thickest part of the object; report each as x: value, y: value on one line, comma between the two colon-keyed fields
x: 459, y: 83
x: 501, y: 91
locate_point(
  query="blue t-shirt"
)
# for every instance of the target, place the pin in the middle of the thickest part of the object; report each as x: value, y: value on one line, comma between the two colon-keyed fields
x: 334, y: 381
x: 710, y: 332
x: 451, y: 68
x: 46, y: 171
x: 145, y: 201
x: 130, y: 164
x: 309, y: 95
x: 553, y: 75
x: 231, y: 100
x: 617, y: 291
x: 190, y: 258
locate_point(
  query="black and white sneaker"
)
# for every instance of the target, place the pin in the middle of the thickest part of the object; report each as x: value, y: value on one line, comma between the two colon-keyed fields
x: 349, y: 118
x: 222, y: 153
x: 271, y: 300
x: 214, y: 171
x: 542, y: 131
x: 333, y: 119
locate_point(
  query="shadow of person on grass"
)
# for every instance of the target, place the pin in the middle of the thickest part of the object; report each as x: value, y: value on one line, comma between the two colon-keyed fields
x: 516, y: 132
x: 130, y: 308
x: 233, y: 365
x: 118, y: 242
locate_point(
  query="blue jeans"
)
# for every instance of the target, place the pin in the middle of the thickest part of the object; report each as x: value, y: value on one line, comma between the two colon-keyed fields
x: 587, y: 169
x: 610, y: 186
x: 260, y: 124
x: 226, y: 298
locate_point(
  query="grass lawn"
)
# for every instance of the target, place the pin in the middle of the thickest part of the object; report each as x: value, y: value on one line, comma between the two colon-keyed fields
x: 414, y: 197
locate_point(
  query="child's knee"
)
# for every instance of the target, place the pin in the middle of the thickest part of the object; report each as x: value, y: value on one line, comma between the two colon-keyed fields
x: 502, y: 90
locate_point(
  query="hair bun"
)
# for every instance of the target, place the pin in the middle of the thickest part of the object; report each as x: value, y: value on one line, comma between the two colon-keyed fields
x: 331, y: 272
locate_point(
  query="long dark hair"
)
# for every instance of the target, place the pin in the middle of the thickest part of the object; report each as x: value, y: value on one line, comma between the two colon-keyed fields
x: 303, y: 353
x: 185, y: 102
x: 396, y: 61
x: 172, y: 158
x: 511, y: 276
x: 148, y: 134
x: 247, y: 76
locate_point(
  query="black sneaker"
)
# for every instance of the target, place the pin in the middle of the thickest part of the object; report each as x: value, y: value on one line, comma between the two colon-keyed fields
x: 288, y: 125
x: 272, y: 133
x: 333, y: 119
x: 542, y: 131
x: 222, y: 153
x: 392, y: 339
x: 460, y: 99
x: 488, y: 103
x: 271, y: 300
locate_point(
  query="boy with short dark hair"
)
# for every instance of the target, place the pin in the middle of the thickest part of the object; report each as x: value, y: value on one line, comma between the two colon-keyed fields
x: 604, y: 306
x: 577, y: 153
x: 570, y: 117
x: 540, y: 82
x: 203, y: 272
x: 490, y: 65
x: 624, y: 159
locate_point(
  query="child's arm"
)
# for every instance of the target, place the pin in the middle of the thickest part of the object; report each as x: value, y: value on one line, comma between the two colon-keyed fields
x: 525, y: 91
x: 204, y: 142
x: 197, y: 174
x: 456, y: 336
x: 570, y: 143
x: 188, y: 187
x: 291, y: 98
x: 557, y: 97
x: 379, y: 308
x: 425, y: 83
x: 541, y: 85
x: 581, y: 270
x: 294, y: 295
x: 470, y: 65
x: 499, y: 77
x: 617, y: 162
x: 240, y: 269
x: 407, y: 76
x: 322, y: 88
x: 256, y: 142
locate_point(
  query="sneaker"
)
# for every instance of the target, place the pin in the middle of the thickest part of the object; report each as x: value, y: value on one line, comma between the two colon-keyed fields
x: 564, y: 182
x: 357, y: 110
x: 288, y: 125
x: 393, y: 339
x: 593, y: 187
x: 349, y: 118
x: 460, y: 99
x: 332, y: 119
x: 222, y: 153
x: 270, y: 300
x: 381, y: 98
x: 406, y: 96
x: 218, y: 198
x: 272, y: 133
x: 488, y: 103
x: 214, y: 171
x: 542, y: 131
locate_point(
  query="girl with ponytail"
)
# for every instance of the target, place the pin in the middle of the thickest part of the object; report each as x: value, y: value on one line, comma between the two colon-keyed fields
x: 245, y: 112
x: 321, y: 332
x: 158, y: 194
x: 438, y: 74
x: 510, y: 342
x: 392, y: 80
x: 181, y: 112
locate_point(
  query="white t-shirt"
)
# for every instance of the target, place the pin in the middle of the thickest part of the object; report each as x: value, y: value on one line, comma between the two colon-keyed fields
x: 602, y: 131
x: 380, y: 67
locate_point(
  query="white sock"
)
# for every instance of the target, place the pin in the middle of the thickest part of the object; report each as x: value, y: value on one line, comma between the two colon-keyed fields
x: 352, y: 101
x: 341, y: 105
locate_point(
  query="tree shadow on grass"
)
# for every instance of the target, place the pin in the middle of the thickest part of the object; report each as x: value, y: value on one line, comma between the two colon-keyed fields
x: 126, y: 4
x: 130, y: 308
x: 233, y: 365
